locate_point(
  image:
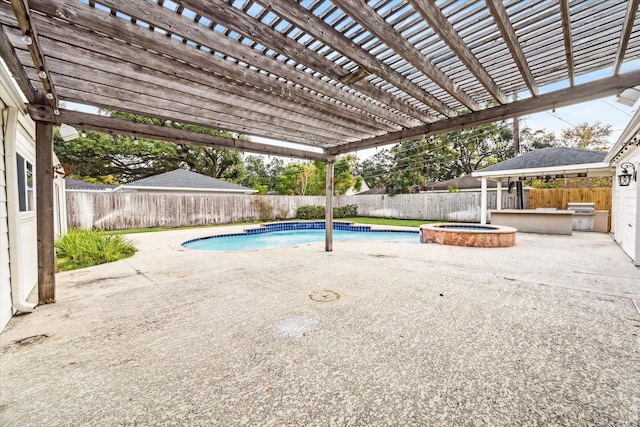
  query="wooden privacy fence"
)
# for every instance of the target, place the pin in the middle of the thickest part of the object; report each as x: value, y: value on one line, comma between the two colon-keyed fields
x: 560, y: 197
x: 121, y: 211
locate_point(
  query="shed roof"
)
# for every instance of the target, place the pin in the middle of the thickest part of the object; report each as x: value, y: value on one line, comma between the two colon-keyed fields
x: 331, y: 75
x: 80, y: 185
x: 181, y: 179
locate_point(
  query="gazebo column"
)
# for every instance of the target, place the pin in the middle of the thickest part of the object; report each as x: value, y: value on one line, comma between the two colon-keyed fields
x: 44, y: 213
x: 328, y: 227
x: 637, y: 254
x: 499, y: 196
x: 483, y: 200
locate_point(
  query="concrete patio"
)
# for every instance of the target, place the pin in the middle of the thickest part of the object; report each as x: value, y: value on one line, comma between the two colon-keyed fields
x: 543, y: 333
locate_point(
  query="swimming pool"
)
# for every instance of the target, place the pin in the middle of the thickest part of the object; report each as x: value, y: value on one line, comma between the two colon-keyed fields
x: 277, y: 235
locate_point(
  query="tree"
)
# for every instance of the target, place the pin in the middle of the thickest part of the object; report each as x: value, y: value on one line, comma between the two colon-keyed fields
x: 479, y: 147
x: 310, y: 178
x: 536, y: 139
x: 100, y: 155
x: 255, y: 172
x: 375, y: 170
x: 587, y: 136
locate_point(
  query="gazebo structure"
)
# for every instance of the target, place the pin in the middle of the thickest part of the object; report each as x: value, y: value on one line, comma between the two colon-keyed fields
x: 332, y: 76
x: 548, y: 163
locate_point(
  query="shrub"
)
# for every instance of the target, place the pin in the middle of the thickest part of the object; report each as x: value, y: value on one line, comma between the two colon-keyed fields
x: 347, y: 211
x: 318, y: 212
x: 265, y: 210
x: 310, y: 212
x: 84, y: 248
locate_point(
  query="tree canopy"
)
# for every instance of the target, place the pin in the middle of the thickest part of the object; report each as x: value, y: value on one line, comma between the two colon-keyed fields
x: 113, y: 158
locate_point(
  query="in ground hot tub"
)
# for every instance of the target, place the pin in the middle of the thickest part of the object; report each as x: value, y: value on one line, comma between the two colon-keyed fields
x: 475, y: 235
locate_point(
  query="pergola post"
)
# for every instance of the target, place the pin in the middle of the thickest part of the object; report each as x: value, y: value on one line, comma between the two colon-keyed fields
x: 483, y: 200
x: 328, y: 227
x: 499, y: 196
x: 44, y: 213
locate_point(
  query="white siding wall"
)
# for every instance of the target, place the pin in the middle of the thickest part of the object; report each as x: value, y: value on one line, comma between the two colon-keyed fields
x: 18, y: 234
x: 626, y: 210
x: 5, y: 278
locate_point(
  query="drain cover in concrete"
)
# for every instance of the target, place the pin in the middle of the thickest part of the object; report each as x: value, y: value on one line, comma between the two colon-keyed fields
x: 295, y: 327
x: 324, y: 296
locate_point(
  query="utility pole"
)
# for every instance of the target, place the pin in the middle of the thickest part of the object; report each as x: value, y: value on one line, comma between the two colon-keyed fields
x: 516, y: 152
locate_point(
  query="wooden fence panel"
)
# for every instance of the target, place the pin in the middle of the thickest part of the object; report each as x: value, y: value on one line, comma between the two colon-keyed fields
x: 560, y: 197
x: 118, y: 211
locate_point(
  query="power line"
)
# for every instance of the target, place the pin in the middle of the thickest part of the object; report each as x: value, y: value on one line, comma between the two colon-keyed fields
x: 561, y: 119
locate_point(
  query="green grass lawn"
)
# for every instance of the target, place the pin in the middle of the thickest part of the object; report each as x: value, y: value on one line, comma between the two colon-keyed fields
x: 386, y: 221
x: 357, y: 220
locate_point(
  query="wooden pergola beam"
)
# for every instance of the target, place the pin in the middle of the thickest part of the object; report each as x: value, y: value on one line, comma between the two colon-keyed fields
x: 23, y: 18
x: 560, y: 98
x: 8, y: 53
x: 374, y: 23
x: 565, y: 15
x: 627, y: 28
x: 236, y: 96
x: 501, y: 18
x: 227, y: 123
x: 436, y: 19
x: 117, y: 28
x: 74, y: 44
x: 116, y: 126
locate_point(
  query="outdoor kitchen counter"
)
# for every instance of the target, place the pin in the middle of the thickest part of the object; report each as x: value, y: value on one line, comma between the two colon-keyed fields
x: 543, y: 221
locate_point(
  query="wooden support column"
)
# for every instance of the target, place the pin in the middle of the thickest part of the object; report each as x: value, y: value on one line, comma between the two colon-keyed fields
x: 44, y: 213
x: 483, y: 200
x: 328, y: 227
x: 499, y: 196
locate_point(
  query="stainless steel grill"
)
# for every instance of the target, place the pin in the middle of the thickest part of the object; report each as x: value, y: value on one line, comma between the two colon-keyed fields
x: 583, y: 215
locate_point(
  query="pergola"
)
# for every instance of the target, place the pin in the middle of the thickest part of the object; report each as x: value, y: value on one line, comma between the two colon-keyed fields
x: 332, y: 76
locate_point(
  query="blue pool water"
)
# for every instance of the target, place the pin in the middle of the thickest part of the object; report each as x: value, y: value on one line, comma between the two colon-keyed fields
x: 260, y: 239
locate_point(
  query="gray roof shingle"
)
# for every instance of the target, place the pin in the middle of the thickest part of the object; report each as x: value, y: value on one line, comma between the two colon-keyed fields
x: 181, y: 178
x: 548, y: 157
x: 77, y: 184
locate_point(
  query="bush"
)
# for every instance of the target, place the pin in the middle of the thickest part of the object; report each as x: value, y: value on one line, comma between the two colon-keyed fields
x: 347, y: 211
x: 84, y: 248
x: 318, y: 212
x: 310, y: 212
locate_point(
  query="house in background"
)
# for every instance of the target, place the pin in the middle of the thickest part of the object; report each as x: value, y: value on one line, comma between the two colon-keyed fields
x: 461, y: 183
x: 75, y: 185
x: 183, y: 181
x: 624, y: 156
x: 18, y: 234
